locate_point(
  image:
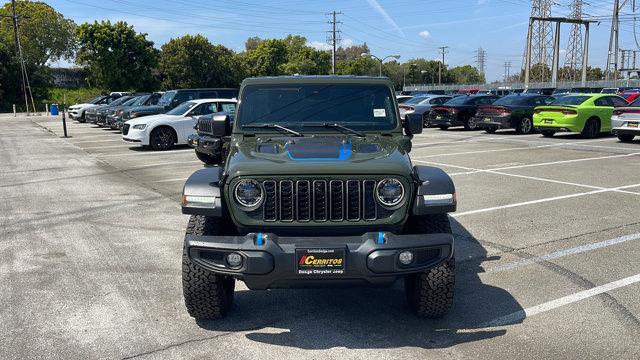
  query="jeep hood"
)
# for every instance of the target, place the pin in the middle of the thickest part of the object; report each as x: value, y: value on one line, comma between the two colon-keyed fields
x: 317, y: 155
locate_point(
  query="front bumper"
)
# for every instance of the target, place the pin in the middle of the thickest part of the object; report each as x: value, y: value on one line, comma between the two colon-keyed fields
x: 270, y: 261
x: 137, y: 136
x: 206, y: 144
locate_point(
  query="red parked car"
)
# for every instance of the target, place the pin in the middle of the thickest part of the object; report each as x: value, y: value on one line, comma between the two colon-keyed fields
x: 630, y: 95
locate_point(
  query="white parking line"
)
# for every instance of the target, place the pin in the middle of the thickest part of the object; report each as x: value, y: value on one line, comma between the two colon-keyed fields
x: 168, y: 152
x: 96, y: 141
x: 473, y: 171
x: 532, y: 202
x: 554, y: 304
x: 563, y: 253
x: 162, y: 164
x: 125, y: 145
x: 170, y: 180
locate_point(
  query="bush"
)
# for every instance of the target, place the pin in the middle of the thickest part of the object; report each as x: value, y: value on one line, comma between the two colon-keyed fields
x: 71, y: 96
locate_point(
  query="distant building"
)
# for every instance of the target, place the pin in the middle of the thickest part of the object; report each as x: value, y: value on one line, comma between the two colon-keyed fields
x: 68, y: 77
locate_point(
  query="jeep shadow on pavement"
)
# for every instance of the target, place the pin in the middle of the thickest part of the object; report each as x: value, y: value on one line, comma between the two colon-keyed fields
x: 318, y: 190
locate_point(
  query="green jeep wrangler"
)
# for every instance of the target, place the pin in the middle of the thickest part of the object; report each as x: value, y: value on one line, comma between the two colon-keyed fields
x: 318, y: 190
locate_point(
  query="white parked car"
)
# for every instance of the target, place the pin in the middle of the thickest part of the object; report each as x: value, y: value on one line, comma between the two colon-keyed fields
x: 77, y: 111
x: 164, y: 131
x: 625, y: 122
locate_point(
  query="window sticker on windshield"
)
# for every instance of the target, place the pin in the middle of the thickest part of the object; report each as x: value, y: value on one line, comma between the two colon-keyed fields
x: 379, y: 113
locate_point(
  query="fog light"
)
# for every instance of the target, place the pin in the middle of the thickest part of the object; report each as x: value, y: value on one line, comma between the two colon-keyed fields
x: 405, y: 257
x: 234, y: 260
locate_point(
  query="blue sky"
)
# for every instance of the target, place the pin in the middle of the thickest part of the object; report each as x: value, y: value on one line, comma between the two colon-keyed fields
x: 411, y: 28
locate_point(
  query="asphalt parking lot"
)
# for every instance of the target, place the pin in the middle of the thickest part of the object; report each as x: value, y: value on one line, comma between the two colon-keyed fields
x: 547, y: 231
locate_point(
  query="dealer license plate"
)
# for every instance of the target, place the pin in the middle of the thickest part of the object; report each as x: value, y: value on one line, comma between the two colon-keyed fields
x: 487, y: 119
x: 438, y: 117
x: 632, y: 124
x: 548, y: 121
x: 320, y: 261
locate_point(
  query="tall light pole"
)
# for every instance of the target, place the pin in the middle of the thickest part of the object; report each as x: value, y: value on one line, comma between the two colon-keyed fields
x: 380, y: 60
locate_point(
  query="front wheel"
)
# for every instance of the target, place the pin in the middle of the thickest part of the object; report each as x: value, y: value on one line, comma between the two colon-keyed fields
x: 207, y: 295
x: 162, y: 138
x: 471, y: 124
x: 430, y: 293
x: 525, y: 126
x: 626, y: 137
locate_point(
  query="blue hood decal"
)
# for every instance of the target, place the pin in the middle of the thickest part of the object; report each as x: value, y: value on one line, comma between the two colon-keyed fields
x: 318, y: 149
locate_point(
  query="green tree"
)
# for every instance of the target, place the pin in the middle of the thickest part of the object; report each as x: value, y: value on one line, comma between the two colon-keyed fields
x: 360, y: 67
x: 286, y: 56
x: 116, y: 57
x: 351, y: 52
x: 192, y: 61
x: 466, y: 74
x: 45, y: 34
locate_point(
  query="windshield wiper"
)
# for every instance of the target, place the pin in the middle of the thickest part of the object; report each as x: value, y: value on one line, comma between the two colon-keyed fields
x: 272, y: 126
x: 336, y: 126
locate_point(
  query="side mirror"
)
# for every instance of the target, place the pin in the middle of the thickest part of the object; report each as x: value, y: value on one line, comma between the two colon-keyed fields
x: 413, y: 124
x: 221, y: 125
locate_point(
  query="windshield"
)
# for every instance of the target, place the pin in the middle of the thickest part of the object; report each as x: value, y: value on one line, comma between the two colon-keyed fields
x: 512, y: 100
x: 416, y: 100
x: 119, y: 101
x: 141, y: 100
x: 357, y: 106
x: 460, y: 100
x: 610, y: 91
x: 131, y: 101
x: 182, y: 108
x: 166, y: 98
x: 570, y: 100
x: 95, y: 100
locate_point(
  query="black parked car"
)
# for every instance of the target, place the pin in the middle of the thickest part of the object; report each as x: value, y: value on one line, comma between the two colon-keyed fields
x: 511, y: 112
x: 459, y: 111
x: 114, y: 118
x: 173, y: 98
x: 540, y: 91
x: 211, y: 149
x: 92, y: 115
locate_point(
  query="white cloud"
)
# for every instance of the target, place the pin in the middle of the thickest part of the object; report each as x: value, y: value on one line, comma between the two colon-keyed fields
x: 377, y: 7
x: 425, y: 34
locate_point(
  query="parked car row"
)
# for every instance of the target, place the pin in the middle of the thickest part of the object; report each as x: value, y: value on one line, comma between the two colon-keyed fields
x: 589, y: 114
x: 158, y: 120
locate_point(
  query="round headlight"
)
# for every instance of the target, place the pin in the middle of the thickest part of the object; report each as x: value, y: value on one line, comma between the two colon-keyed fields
x: 390, y: 192
x: 249, y: 193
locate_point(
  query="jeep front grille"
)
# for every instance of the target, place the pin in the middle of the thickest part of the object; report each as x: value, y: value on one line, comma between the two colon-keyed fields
x: 319, y: 200
x: 125, y: 128
x: 204, y: 126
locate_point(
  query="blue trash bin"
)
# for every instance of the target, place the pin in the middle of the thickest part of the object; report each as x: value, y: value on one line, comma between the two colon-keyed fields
x: 54, y: 109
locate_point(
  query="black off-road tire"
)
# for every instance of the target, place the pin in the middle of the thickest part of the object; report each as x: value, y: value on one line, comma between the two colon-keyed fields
x: 626, y: 137
x: 162, y: 138
x: 547, y: 133
x: 207, y: 296
x: 209, y: 159
x: 430, y: 293
x: 591, y: 129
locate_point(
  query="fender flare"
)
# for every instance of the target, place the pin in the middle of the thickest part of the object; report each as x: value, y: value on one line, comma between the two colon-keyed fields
x: 202, y: 193
x: 436, y: 193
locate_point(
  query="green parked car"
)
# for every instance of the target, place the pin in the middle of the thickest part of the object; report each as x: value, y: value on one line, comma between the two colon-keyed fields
x: 588, y: 114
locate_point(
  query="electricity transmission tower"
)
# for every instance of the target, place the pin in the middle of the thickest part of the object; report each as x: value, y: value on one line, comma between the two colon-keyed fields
x: 542, y: 41
x: 481, y: 55
x: 334, y: 38
x: 443, y: 51
x: 507, y: 68
x: 573, y: 59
